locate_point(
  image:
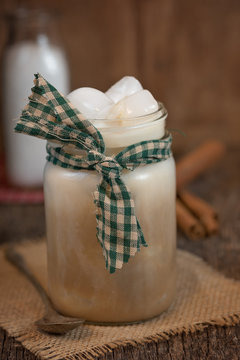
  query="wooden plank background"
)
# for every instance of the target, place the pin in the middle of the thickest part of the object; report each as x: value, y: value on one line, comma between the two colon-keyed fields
x: 186, y: 52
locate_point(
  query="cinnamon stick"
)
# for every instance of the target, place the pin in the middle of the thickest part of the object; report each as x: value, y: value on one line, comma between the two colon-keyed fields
x: 198, y: 161
x: 202, y: 210
x: 188, y: 223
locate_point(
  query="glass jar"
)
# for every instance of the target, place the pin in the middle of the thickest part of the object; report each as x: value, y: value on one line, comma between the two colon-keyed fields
x: 33, y: 45
x: 79, y: 284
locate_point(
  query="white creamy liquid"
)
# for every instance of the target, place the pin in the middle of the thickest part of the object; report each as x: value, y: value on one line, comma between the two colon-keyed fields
x: 79, y: 284
x: 25, y: 155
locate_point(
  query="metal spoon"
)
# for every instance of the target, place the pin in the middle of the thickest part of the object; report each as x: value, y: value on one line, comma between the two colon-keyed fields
x: 52, y: 322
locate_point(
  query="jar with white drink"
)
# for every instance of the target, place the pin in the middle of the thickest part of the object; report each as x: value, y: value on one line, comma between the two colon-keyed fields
x: 79, y: 284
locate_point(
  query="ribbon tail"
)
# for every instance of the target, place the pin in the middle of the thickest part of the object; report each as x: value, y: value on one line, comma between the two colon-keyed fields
x: 142, y: 240
x: 118, y: 229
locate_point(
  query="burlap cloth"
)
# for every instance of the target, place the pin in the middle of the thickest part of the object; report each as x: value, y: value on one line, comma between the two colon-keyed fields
x: 203, y: 297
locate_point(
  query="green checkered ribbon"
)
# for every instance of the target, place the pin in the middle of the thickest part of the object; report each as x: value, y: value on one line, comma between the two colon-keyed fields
x: 49, y: 115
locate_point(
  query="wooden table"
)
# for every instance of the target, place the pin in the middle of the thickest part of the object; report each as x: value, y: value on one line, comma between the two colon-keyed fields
x: 220, y: 187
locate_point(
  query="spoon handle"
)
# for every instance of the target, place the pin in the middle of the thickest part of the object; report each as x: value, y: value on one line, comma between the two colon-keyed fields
x: 17, y: 259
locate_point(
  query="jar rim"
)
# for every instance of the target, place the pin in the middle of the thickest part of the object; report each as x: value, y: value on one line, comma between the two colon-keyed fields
x: 160, y: 114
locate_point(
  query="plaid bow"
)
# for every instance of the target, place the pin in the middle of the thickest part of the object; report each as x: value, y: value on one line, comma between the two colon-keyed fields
x: 49, y: 115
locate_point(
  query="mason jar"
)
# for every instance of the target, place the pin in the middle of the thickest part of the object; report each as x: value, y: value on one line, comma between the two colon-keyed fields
x: 79, y: 284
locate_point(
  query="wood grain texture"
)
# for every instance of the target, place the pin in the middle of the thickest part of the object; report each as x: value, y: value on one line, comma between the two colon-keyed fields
x: 100, y: 38
x: 215, y: 343
x: 18, y: 222
x: 190, y: 59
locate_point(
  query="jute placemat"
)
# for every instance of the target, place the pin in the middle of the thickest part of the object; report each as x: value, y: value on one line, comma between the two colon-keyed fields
x: 203, y: 297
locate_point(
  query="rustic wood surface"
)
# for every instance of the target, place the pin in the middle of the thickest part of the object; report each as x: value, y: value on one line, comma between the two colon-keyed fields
x: 220, y: 187
x: 215, y: 343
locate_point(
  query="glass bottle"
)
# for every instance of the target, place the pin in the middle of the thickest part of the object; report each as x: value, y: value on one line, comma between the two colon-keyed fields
x: 32, y: 46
